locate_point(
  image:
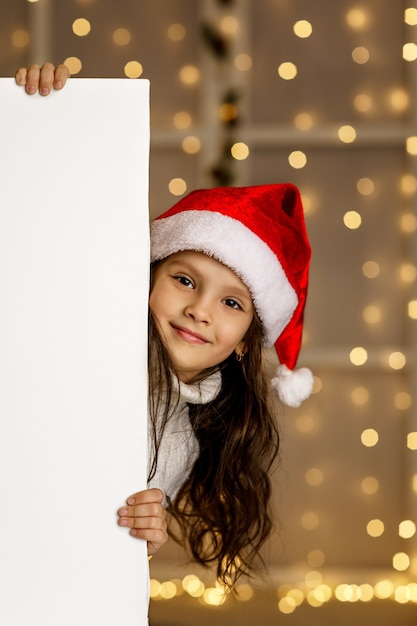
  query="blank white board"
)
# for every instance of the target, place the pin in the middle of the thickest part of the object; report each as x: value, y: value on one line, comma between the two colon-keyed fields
x: 74, y: 258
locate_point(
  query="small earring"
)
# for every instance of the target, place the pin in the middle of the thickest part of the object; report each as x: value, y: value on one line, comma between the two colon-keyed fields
x: 239, y: 357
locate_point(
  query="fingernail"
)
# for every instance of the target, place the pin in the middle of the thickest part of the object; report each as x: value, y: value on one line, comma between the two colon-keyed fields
x: 58, y: 85
x: 123, y: 522
x: 123, y: 512
x: 31, y: 89
x: 44, y: 91
x: 130, y: 500
x: 133, y: 532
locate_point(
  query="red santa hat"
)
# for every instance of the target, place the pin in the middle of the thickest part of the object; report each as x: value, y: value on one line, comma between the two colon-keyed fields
x: 259, y: 233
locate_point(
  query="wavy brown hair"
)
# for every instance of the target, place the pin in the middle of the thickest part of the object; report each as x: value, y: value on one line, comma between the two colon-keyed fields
x: 223, y: 508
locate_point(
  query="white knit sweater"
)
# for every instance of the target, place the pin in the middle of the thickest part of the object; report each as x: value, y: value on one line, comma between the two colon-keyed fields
x: 179, y: 447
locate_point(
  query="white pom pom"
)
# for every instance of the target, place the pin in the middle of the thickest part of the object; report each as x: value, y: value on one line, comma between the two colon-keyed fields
x: 293, y: 387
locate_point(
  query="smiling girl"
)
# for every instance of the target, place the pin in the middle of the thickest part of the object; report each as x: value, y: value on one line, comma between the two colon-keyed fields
x: 229, y: 276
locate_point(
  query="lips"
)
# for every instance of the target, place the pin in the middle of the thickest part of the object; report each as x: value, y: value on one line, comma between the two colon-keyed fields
x: 188, y: 335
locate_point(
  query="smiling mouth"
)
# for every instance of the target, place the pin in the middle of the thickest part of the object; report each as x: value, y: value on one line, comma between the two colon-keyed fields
x: 188, y: 335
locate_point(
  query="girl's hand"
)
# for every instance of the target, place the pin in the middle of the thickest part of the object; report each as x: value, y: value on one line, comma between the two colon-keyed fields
x: 42, y: 79
x: 145, y: 516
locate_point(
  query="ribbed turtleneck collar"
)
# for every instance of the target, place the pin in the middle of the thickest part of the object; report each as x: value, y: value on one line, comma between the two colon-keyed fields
x: 201, y: 392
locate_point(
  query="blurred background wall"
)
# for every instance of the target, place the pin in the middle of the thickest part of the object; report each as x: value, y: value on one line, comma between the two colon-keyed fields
x: 322, y: 94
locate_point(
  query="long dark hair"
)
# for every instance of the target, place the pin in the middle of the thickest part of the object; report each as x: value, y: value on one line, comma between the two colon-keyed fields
x: 222, y: 510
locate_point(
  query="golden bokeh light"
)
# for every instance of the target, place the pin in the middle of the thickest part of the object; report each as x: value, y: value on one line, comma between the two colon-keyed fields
x: 401, y: 561
x: 176, y: 32
x: 408, y: 223
x: 410, y: 16
x: 372, y: 314
x: 229, y: 25
x: 370, y: 485
x: 346, y: 133
x: 408, y: 184
x: 239, y: 151
x: 411, y: 145
x: 191, y: 144
x: 310, y: 520
x: 177, y: 186
x: 303, y: 29
x: 297, y: 159
x: 384, y: 589
x: 410, y: 51
x: 121, y: 36
x: 399, y: 100
x: 412, y: 309
x: 182, y: 120
x: 359, y: 396
x: 189, y: 75
x: 357, y: 18
x: 133, y: 69
x: 360, y: 55
x: 314, y: 477
x: 402, y: 400
x: 371, y: 269
x: 375, y: 528
x: 358, y: 356
x: 305, y: 424
x: 397, y: 360
x: 407, y: 529
x: 228, y: 112
x: 81, y: 27
x: 365, y: 186
x: 352, y: 220
x: 316, y: 558
x: 369, y: 437
x: 303, y: 121
x: 243, y: 62
x: 287, y: 605
x: 408, y: 272
x: 20, y: 38
x: 287, y: 70
x: 363, y: 102
x: 412, y: 441
x: 74, y: 65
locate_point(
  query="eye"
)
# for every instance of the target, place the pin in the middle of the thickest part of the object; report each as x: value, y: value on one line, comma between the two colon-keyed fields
x: 184, y: 280
x: 232, y: 304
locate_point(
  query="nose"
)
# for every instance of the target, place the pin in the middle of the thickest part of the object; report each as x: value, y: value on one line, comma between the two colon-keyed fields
x: 199, y: 310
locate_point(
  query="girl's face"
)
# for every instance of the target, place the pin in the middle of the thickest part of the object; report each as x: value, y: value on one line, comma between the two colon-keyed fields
x: 202, y: 311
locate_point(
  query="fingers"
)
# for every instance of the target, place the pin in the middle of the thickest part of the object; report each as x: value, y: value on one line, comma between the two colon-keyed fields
x: 42, y: 79
x: 146, y: 518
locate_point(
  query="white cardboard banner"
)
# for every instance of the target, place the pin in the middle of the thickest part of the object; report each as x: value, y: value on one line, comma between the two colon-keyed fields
x: 74, y: 257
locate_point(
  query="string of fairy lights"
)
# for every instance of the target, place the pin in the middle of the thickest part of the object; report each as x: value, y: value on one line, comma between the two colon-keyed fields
x: 217, y: 39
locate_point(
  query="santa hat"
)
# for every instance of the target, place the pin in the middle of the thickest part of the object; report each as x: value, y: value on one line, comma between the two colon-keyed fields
x: 259, y: 233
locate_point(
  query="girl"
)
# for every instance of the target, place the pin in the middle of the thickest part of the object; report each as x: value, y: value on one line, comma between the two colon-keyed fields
x: 229, y: 274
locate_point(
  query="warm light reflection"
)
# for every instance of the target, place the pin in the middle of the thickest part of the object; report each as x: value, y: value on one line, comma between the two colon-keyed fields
x: 408, y: 223
x: 310, y: 520
x: 363, y: 102
x: 411, y: 145
x: 370, y: 485
x: 372, y: 314
x: 297, y: 159
x: 359, y: 396
x: 316, y: 558
x: 358, y: 356
x: 303, y: 121
x: 357, y: 18
x: 397, y: 360
x: 177, y: 186
x: 20, y: 38
x: 408, y: 184
x: 243, y: 62
x: 74, y: 65
x: 412, y: 441
x: 399, y: 100
x: 81, y: 27
x: 375, y: 528
x: 371, y: 269
x: 240, y: 151
x: 121, y: 36
x: 410, y: 51
x: 401, y: 561
x: 133, y: 69
x: 189, y: 75
x: 229, y: 25
x: 360, y: 55
x: 182, y: 120
x: 365, y: 186
x: 369, y: 437
x: 287, y: 70
x: 407, y: 529
x: 304, y: 424
x: 410, y: 16
x: 176, y: 32
x: 314, y: 477
x: 402, y: 400
x: 412, y: 309
x: 408, y: 272
x: 303, y: 29
x: 347, y: 134
x: 191, y: 145
x: 352, y: 220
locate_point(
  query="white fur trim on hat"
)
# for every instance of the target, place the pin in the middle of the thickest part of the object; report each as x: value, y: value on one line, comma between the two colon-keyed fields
x: 236, y: 246
x: 293, y: 386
